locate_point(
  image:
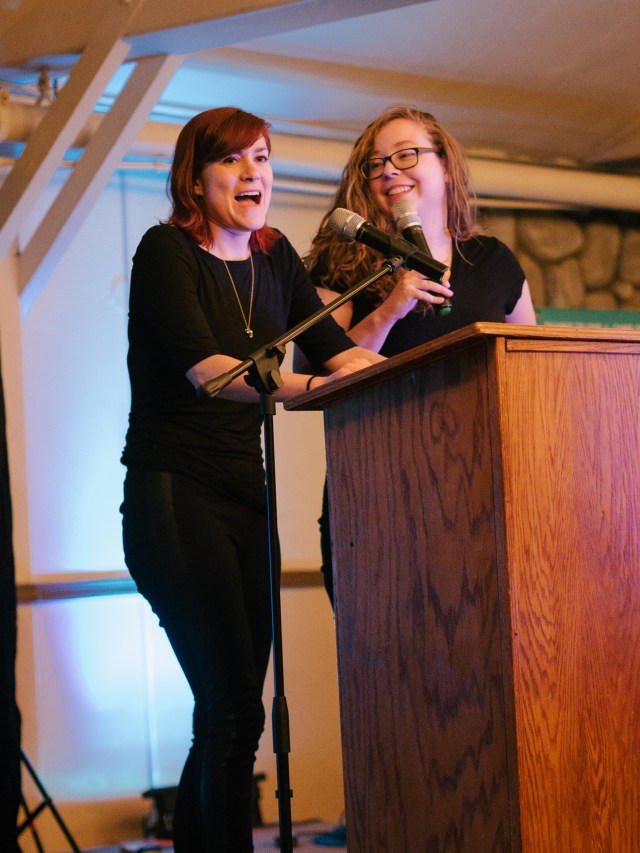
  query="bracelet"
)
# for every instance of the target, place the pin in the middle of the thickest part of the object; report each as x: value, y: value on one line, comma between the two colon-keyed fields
x: 310, y: 380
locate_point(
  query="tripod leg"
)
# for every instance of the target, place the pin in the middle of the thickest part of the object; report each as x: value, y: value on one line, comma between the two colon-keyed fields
x: 28, y: 823
x: 48, y: 803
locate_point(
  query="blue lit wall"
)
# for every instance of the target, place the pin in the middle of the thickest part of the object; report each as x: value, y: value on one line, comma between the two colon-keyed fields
x: 76, y: 385
x: 113, y: 709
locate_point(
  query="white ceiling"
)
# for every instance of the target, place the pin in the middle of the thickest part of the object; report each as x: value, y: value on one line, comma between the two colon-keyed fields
x: 544, y: 80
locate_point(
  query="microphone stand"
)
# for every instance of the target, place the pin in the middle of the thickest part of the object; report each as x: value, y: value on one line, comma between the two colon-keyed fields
x: 263, y: 372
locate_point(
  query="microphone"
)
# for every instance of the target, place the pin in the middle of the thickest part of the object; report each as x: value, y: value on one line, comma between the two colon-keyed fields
x: 408, y: 222
x: 354, y: 227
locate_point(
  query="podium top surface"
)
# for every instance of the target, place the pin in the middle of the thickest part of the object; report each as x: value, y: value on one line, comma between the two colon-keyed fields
x: 555, y: 337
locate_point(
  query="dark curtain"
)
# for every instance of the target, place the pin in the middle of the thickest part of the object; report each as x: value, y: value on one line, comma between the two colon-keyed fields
x: 9, y: 715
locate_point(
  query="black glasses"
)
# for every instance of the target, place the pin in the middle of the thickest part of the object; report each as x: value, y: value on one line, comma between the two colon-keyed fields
x: 403, y: 159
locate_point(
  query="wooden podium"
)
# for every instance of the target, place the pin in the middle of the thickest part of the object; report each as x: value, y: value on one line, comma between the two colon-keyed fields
x: 485, y: 517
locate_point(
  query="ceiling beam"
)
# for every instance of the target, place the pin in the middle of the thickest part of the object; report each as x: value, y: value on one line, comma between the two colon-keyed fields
x: 62, y: 122
x: 100, y: 159
x: 470, y: 110
x: 54, y: 32
x: 237, y: 27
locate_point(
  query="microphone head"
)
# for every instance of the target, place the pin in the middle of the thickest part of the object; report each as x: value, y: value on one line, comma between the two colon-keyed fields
x: 405, y: 215
x: 345, y: 222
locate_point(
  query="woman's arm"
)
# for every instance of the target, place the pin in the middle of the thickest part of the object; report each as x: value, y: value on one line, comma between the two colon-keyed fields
x: 524, y: 312
x: 237, y: 389
x: 371, y: 332
x: 341, y: 315
x: 349, y: 361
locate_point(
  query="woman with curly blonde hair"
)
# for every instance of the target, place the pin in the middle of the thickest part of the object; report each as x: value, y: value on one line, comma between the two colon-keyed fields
x: 405, y: 154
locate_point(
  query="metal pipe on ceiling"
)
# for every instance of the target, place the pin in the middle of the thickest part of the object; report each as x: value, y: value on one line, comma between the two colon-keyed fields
x: 317, y: 164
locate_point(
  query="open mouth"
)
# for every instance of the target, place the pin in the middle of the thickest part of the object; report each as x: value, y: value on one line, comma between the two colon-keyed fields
x: 251, y: 197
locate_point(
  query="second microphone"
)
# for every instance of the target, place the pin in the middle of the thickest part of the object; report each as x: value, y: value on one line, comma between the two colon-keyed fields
x: 354, y: 227
x: 409, y: 224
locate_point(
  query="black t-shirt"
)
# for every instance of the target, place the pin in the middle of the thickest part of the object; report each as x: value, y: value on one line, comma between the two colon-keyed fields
x: 486, y: 279
x: 182, y: 309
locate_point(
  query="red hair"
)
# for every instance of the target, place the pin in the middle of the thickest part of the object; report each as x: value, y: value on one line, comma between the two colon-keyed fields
x: 207, y: 137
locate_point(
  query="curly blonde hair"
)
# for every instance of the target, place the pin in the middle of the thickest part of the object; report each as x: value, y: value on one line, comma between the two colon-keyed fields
x: 339, y: 264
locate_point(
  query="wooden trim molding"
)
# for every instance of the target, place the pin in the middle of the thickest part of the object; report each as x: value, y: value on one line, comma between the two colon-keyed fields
x: 122, y: 584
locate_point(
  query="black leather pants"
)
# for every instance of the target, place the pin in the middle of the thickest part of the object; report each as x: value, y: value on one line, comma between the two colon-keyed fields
x: 201, y: 561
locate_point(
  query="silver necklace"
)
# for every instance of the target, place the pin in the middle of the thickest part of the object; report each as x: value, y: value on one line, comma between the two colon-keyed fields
x: 247, y: 319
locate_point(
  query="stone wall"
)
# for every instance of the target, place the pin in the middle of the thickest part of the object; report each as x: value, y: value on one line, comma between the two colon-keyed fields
x: 574, y: 260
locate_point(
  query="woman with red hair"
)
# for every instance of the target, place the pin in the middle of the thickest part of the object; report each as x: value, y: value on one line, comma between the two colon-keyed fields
x: 208, y: 288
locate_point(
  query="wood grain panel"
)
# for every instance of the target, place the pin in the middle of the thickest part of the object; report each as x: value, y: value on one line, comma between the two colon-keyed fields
x: 572, y: 476
x: 485, y: 498
x: 425, y: 732
x: 515, y: 336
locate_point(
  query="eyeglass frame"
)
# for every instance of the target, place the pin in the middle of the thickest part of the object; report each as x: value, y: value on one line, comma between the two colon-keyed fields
x: 389, y: 159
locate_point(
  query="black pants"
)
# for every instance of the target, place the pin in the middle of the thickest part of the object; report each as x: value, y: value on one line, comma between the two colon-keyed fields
x: 201, y: 561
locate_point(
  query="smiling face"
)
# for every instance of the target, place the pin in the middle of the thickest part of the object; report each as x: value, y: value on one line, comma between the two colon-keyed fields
x: 424, y: 185
x: 236, y: 190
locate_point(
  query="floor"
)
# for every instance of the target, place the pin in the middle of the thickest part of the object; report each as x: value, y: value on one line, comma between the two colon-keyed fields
x: 304, y: 837
x: 265, y: 838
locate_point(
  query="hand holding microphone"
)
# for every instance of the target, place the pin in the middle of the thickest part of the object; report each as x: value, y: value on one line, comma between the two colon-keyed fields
x: 409, y: 224
x: 354, y: 227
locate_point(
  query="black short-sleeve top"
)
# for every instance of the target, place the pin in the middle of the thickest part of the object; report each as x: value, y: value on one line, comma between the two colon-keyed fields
x: 183, y: 309
x: 487, y: 281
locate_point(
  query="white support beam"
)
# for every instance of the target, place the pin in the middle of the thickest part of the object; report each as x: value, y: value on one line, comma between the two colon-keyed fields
x: 102, y: 56
x: 59, y: 28
x: 101, y: 157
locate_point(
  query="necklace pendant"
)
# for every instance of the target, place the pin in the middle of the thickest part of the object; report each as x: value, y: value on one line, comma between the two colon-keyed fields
x: 246, y: 317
